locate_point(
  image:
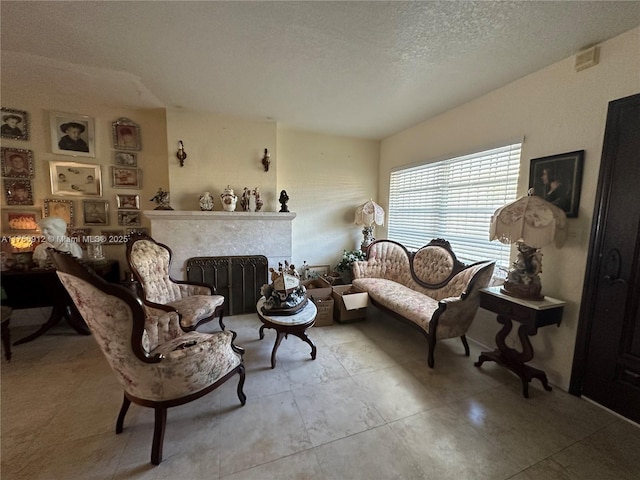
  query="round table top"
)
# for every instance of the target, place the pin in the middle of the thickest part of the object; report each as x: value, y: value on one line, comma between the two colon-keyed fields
x: 306, y: 315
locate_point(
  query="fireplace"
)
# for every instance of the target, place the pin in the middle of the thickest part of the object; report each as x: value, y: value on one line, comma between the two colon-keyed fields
x: 192, y: 234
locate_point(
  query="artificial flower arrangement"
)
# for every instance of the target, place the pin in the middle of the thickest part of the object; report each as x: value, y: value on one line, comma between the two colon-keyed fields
x: 348, y: 257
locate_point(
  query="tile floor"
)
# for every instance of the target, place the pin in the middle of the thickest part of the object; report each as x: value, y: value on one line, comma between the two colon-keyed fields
x: 367, y: 408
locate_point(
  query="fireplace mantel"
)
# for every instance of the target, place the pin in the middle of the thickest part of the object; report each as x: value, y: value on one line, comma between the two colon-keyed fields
x: 214, y: 234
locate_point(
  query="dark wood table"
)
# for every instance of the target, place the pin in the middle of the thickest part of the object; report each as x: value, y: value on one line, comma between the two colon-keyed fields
x: 531, y: 314
x: 41, y: 288
x: 284, y: 325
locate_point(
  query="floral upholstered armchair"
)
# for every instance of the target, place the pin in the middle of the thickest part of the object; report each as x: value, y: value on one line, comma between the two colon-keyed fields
x: 158, y: 364
x: 150, y: 262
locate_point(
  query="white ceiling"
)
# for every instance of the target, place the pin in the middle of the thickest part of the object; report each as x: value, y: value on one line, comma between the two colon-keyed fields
x: 364, y: 69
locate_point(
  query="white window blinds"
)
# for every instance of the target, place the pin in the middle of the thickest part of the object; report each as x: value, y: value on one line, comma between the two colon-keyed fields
x: 454, y: 199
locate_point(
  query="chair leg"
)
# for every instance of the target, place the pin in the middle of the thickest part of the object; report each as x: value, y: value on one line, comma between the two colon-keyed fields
x: 432, y: 346
x: 466, y: 345
x: 241, y: 395
x: 123, y: 411
x: 222, y: 326
x: 158, y: 435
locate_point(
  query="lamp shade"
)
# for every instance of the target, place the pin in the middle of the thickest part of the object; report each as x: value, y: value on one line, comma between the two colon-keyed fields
x: 369, y: 213
x: 531, y: 220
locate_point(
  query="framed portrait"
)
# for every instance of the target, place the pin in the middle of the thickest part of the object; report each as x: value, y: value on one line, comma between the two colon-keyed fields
x: 78, y: 179
x: 16, y: 162
x: 18, y: 191
x: 558, y: 179
x: 20, y: 221
x: 128, y: 202
x: 126, y: 135
x: 72, y: 134
x: 125, y: 177
x: 54, y: 207
x: 316, y: 271
x: 15, y: 124
x: 129, y: 218
x: 113, y: 237
x: 80, y: 236
x: 95, y: 212
x: 125, y: 159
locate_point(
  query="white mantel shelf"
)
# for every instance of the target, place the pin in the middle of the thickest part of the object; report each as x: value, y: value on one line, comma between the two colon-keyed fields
x: 192, y: 233
x: 219, y: 215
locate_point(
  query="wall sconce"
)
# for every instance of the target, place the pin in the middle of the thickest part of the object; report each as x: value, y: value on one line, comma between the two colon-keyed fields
x: 181, y: 154
x: 266, y: 160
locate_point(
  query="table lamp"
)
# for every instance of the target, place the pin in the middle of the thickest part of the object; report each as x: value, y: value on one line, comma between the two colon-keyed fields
x: 368, y: 215
x: 531, y: 223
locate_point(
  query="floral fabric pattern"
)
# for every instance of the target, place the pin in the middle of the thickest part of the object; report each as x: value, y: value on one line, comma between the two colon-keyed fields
x: 192, y: 360
x: 194, y: 302
x: 386, y: 276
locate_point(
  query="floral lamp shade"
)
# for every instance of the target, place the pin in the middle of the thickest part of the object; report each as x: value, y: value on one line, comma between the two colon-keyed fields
x: 530, y: 222
x: 369, y: 213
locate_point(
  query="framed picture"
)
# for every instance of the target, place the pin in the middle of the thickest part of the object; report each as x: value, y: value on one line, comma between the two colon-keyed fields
x: 126, y: 159
x: 128, y: 201
x: 113, y: 237
x: 20, y: 221
x: 80, y: 236
x: 558, y: 180
x: 125, y: 177
x: 131, y: 231
x: 95, y: 212
x: 126, y: 135
x: 72, y: 134
x: 18, y: 191
x: 317, y: 271
x: 129, y: 218
x: 15, y: 124
x: 54, y: 207
x: 16, y: 162
x: 79, y: 179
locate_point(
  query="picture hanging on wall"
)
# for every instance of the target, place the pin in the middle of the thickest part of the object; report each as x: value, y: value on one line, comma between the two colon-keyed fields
x: 20, y: 221
x: 75, y: 179
x: 126, y: 135
x: 558, y: 179
x: 95, y: 212
x: 16, y: 162
x: 72, y: 134
x: 128, y: 201
x: 129, y: 218
x: 126, y: 159
x: 18, y: 191
x: 15, y: 124
x: 54, y: 207
x: 124, y: 177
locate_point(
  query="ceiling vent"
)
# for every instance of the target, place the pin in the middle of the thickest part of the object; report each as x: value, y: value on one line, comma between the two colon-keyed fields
x: 587, y: 58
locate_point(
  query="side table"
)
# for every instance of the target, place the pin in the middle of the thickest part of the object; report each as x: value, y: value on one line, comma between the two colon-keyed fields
x: 284, y: 325
x: 531, y: 314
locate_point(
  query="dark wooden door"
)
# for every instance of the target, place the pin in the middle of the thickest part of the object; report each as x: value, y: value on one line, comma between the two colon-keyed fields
x: 607, y: 361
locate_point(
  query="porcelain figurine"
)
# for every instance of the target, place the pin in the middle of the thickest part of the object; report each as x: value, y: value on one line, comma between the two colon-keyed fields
x: 284, y: 198
x: 259, y: 201
x: 162, y: 200
x: 245, y: 200
x: 229, y: 199
x: 206, y: 202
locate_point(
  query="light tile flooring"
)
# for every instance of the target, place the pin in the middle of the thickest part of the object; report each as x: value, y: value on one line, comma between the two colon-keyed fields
x: 367, y: 408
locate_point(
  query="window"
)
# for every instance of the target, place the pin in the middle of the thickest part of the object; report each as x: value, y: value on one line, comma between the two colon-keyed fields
x: 454, y: 199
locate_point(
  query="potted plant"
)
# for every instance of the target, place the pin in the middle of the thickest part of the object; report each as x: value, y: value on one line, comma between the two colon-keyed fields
x: 344, y: 267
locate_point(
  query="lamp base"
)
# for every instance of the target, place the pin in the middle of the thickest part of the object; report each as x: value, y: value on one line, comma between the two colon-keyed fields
x: 367, y: 231
x: 523, y: 280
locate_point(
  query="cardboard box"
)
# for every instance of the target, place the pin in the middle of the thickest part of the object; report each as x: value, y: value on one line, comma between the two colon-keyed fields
x: 325, y: 311
x: 317, y: 288
x: 349, y: 307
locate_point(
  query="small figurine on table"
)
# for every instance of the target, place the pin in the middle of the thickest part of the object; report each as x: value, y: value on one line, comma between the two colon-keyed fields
x: 284, y: 198
x: 162, y: 200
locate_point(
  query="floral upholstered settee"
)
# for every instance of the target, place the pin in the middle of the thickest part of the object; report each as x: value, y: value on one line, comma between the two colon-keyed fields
x: 429, y: 289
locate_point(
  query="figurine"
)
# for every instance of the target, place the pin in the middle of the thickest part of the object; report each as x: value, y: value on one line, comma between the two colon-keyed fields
x: 245, y: 200
x: 162, y: 199
x: 284, y: 198
x: 259, y: 202
x: 206, y: 202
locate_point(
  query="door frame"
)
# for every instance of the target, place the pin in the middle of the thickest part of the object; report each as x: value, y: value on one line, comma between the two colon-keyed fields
x: 596, y: 241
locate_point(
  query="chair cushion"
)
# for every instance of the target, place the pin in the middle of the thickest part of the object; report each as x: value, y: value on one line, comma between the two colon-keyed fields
x: 196, y: 308
x: 412, y: 305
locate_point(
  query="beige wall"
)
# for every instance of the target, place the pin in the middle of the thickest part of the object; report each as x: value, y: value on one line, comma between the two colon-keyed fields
x: 221, y: 151
x: 151, y: 159
x: 326, y: 178
x: 557, y: 110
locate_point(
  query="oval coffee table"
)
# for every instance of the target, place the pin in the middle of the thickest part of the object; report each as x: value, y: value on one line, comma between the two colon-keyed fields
x: 284, y: 325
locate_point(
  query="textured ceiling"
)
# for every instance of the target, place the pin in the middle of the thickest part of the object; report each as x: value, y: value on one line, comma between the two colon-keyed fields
x: 365, y: 69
